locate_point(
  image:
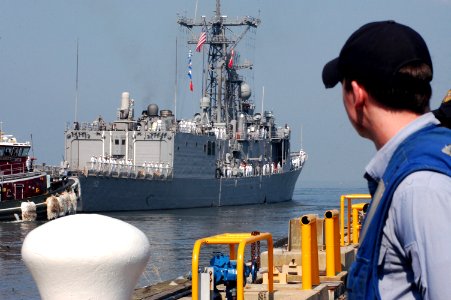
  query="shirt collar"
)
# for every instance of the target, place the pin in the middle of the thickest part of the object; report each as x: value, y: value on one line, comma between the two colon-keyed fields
x: 377, y: 165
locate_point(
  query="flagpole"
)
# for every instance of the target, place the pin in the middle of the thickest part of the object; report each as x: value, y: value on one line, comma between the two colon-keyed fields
x: 175, y: 82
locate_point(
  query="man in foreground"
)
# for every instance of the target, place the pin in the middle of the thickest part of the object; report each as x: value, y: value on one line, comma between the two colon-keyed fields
x: 385, y: 70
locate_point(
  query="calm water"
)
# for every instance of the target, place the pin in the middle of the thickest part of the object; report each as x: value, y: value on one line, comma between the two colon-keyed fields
x: 173, y: 233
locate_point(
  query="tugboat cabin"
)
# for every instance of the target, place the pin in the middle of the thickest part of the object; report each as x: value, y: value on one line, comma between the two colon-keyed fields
x: 17, y: 179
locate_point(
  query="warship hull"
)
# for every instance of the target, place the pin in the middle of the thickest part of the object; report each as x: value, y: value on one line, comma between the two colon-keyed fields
x: 107, y: 193
x: 228, y: 153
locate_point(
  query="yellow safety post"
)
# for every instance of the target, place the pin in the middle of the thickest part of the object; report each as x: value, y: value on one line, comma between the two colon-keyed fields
x: 309, y: 255
x: 232, y: 239
x: 349, y: 197
x: 356, y: 208
x: 333, y: 257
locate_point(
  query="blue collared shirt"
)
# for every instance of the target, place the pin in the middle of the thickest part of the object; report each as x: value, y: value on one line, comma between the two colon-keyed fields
x: 415, y: 255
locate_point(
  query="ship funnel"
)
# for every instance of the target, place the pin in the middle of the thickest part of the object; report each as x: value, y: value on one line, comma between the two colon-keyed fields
x: 125, y: 104
x: 245, y: 91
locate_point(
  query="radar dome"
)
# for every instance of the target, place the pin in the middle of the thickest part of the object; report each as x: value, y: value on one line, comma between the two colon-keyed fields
x: 257, y: 117
x: 245, y: 91
x: 152, y: 110
x: 205, y: 102
x: 166, y: 113
x: 197, y: 118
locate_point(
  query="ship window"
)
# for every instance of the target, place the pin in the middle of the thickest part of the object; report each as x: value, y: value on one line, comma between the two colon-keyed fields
x: 210, y: 148
x: 8, y: 151
x: 15, y: 151
x: 23, y: 152
x: 186, y: 144
x: 205, y: 148
x: 116, y: 142
x: 196, y: 144
x: 123, y: 142
x: 2, y: 151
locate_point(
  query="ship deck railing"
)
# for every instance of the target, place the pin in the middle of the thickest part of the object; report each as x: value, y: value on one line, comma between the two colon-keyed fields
x: 191, y: 128
x: 13, y: 168
x: 129, y: 171
x: 11, y: 177
x: 53, y: 171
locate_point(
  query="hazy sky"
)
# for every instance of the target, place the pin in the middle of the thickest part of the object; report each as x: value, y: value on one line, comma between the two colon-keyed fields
x: 130, y: 46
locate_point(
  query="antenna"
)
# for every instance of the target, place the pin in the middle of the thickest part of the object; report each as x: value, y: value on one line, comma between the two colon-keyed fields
x: 32, y: 148
x: 222, y: 83
x: 301, y: 138
x: 176, y: 82
x: 263, y: 98
x: 76, y: 88
x: 195, y: 10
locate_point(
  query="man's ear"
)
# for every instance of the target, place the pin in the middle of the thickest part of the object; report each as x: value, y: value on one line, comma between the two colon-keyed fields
x: 360, y: 95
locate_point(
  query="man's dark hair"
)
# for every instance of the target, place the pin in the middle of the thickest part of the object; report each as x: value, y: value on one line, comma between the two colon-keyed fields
x: 409, y: 89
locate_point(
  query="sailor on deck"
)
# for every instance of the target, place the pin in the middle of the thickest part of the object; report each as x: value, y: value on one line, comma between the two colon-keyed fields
x: 93, y: 162
x: 28, y: 163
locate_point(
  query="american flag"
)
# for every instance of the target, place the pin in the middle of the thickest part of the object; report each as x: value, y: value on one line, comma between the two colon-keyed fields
x: 190, y: 71
x: 202, y: 40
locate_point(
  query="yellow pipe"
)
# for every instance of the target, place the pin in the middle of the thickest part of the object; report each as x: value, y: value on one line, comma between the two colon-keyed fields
x: 242, y: 239
x: 349, y: 220
x: 195, y: 269
x: 337, y: 245
x: 240, y: 271
x: 309, y: 252
x: 342, y: 221
x: 333, y: 257
x: 355, y: 225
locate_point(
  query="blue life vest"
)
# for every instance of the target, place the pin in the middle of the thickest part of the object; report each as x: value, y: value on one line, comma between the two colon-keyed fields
x: 427, y: 149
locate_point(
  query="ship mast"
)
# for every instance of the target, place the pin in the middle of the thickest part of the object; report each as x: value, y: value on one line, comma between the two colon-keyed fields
x: 223, y: 82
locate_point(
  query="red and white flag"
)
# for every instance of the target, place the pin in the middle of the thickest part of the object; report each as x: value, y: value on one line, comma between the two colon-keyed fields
x: 230, y: 64
x: 202, y: 40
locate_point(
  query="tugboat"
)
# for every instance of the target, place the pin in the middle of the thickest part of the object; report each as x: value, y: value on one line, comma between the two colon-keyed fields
x: 24, y: 190
x: 226, y: 154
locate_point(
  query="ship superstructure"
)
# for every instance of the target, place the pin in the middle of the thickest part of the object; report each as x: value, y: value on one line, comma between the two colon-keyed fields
x: 227, y: 154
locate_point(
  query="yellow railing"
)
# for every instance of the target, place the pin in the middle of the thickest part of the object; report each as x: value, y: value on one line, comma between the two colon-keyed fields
x: 349, y: 199
x: 356, y: 208
x: 334, y: 238
x: 232, y: 239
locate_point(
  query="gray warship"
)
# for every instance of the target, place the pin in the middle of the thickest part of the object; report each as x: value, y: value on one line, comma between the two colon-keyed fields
x: 226, y: 154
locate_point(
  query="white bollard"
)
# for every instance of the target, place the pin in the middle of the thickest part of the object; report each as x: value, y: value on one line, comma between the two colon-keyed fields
x: 86, y: 256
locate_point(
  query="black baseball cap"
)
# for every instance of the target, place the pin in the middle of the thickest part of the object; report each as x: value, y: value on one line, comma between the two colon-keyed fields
x: 376, y: 52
